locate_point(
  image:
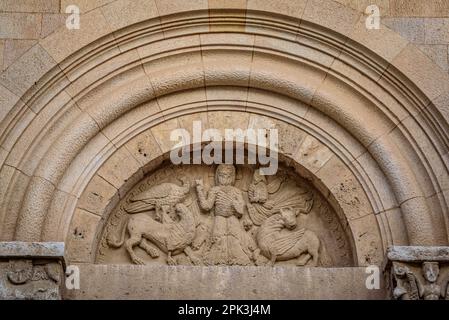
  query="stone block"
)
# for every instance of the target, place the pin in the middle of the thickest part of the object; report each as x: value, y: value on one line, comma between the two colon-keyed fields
x: 179, y: 283
x: 437, y: 31
x: 84, y: 5
x: 27, y: 70
x: 31, y: 270
x: 383, y: 41
x: 20, y: 25
x: 144, y: 147
x: 332, y: 15
x: 161, y: 133
x: 227, y: 4
x: 81, y: 235
x: 13, y: 49
x: 438, y: 54
x: 27, y: 250
x: 420, y: 69
x: 119, y: 168
x: 412, y: 29
x: 29, y: 6
x: 312, y: 154
x: 97, y: 195
x: 127, y: 12
x: 286, y: 7
x: 7, y: 101
x: 361, y: 5
x: 64, y: 42
x: 428, y: 8
x: 52, y: 22
x: 177, y: 6
x: 345, y: 188
x: 96, y: 151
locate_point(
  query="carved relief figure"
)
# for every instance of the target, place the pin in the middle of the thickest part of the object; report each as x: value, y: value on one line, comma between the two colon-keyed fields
x: 228, y: 243
x: 20, y: 272
x: 266, y: 199
x: 257, y: 223
x: 279, y: 239
x: 161, y: 198
x: 407, y: 286
x: 40, y: 281
x: 430, y: 290
x: 172, y: 238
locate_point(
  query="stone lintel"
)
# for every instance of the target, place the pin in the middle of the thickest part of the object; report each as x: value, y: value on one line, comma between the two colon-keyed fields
x: 32, y: 250
x: 418, y: 253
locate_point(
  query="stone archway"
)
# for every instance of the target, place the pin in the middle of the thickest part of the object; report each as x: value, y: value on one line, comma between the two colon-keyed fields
x: 360, y: 116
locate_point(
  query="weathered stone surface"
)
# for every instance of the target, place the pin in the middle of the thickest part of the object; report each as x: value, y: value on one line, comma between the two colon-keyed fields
x: 288, y: 7
x: 361, y: 5
x: 86, y: 117
x: 64, y: 42
x: 330, y: 14
x: 417, y: 254
x: 27, y: 279
x: 98, y: 194
x: 81, y: 236
x: 175, y: 6
x: 179, y: 283
x: 7, y: 101
x: 29, y: 6
x: 412, y: 29
x: 32, y: 250
x: 438, y: 53
x: 84, y: 5
x: 52, y: 22
x: 123, y: 13
x: 13, y: 49
x: 418, y: 273
x: 31, y: 270
x: 27, y: 70
x: 20, y: 25
x: 430, y: 8
x: 227, y: 4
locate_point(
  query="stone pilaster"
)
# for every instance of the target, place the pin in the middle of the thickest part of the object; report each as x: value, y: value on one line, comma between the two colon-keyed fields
x: 31, y: 270
x: 418, y: 272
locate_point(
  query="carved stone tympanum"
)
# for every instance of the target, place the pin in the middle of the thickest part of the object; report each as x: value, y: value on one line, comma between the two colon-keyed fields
x: 224, y: 215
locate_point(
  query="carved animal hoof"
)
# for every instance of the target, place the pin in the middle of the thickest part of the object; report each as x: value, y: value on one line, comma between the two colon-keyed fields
x: 196, y: 261
x: 262, y: 262
x: 138, y: 261
x: 171, y: 262
x: 303, y: 260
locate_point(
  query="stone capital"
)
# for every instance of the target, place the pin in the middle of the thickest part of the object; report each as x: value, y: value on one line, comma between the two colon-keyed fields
x: 31, y: 270
x: 418, y: 272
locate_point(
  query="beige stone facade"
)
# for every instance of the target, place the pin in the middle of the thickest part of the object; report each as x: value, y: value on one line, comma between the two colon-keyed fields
x: 362, y: 117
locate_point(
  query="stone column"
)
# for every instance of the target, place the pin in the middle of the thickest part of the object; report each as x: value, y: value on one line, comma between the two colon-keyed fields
x: 418, y: 273
x: 31, y: 270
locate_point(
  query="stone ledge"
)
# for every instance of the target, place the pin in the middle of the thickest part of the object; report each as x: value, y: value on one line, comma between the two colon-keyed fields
x: 233, y: 282
x: 32, y: 250
x: 418, y: 254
